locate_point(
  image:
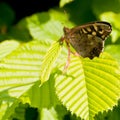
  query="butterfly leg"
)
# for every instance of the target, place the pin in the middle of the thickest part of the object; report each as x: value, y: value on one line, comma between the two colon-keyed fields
x: 75, y: 53
x: 68, y: 59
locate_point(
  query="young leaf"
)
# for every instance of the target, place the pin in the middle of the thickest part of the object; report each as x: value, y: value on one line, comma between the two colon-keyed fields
x: 89, y: 86
x: 49, y: 60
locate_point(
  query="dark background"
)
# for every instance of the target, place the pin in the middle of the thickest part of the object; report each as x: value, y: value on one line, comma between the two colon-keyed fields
x: 24, y: 8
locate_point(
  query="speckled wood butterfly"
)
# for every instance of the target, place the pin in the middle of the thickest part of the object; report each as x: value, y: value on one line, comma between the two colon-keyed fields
x: 87, y: 40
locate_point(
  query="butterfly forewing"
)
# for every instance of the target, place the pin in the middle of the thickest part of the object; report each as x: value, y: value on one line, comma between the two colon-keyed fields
x: 88, y: 39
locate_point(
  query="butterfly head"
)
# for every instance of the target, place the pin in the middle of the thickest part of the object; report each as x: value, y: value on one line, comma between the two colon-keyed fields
x: 66, y: 30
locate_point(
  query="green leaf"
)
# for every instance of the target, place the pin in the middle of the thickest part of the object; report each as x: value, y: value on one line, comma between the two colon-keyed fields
x: 110, y: 114
x: 20, y: 32
x: 100, y: 6
x: 114, y: 51
x: 48, y: 114
x: 42, y: 27
x: 47, y: 26
x: 19, y: 71
x: 49, y: 60
x: 63, y: 2
x: 89, y: 86
x: 7, y: 47
x: 44, y: 96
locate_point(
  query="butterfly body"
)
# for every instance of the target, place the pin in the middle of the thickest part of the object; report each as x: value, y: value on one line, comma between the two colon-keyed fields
x: 88, y: 40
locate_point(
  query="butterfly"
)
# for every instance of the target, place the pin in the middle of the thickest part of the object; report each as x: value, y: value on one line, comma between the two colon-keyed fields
x: 88, y: 39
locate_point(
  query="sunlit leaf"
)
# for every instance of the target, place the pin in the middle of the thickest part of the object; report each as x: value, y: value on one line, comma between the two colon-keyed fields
x: 49, y: 60
x: 89, y: 86
x: 47, y: 26
x: 7, y: 47
x: 63, y: 2
x: 19, y: 70
x: 43, y: 28
x: 48, y: 114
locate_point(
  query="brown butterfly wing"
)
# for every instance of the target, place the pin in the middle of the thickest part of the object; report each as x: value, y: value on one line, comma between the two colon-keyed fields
x: 88, y: 40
